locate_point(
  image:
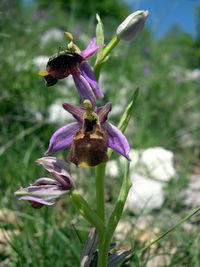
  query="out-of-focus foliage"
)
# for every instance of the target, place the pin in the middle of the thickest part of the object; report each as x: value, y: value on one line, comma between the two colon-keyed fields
x: 84, y: 9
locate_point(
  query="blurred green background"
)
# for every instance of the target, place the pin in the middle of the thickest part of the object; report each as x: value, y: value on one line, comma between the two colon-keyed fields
x: 167, y: 71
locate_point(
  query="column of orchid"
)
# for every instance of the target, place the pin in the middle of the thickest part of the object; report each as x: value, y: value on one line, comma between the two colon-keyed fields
x: 89, y: 138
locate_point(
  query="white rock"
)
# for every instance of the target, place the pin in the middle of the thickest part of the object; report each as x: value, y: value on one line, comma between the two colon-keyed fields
x: 191, y: 196
x: 145, y: 194
x: 112, y: 168
x: 154, y: 162
x: 52, y: 34
x: 149, y: 169
x: 57, y: 114
x: 40, y: 62
x: 123, y: 229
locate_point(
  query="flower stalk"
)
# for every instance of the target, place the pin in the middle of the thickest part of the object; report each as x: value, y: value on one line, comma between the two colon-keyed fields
x: 100, y: 183
x: 114, y: 218
x: 106, y: 51
x: 87, y: 212
x: 100, y: 191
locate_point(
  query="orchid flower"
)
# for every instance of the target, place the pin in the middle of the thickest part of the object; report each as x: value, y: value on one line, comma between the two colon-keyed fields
x: 89, y: 137
x: 73, y: 61
x: 46, y: 191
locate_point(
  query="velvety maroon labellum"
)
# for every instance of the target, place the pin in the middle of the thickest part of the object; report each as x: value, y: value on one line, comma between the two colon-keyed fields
x: 65, y: 64
x: 50, y: 80
x: 36, y: 205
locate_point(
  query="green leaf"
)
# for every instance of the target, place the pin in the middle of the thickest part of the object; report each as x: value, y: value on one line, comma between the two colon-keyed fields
x: 85, y: 210
x: 99, y: 36
x: 168, y: 231
x: 117, y: 212
x: 127, y: 113
x: 66, y: 240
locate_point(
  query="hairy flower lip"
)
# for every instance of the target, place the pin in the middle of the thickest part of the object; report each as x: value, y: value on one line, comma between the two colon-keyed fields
x: 61, y: 66
x: 89, y: 145
x: 67, y: 62
x: 63, y: 137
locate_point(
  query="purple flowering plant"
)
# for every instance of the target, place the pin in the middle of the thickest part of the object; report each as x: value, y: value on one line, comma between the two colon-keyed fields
x: 91, y: 138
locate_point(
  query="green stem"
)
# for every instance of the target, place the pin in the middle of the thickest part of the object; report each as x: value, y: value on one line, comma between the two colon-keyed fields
x: 106, y: 51
x: 100, y: 169
x: 168, y: 231
x: 103, y: 254
x: 87, y: 212
x: 114, y: 218
x: 100, y: 185
x: 110, y: 46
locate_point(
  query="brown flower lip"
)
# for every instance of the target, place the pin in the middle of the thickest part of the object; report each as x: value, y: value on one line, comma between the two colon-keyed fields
x: 89, y: 146
x: 61, y: 66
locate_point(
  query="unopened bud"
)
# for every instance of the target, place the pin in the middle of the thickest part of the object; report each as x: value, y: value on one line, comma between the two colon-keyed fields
x: 132, y: 25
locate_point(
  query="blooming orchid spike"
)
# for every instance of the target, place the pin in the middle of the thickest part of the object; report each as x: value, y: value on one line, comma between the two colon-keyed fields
x: 72, y: 61
x: 46, y: 191
x: 132, y: 25
x: 89, y: 137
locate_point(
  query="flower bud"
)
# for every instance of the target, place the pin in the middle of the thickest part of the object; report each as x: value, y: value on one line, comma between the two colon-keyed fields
x: 47, y: 191
x: 132, y: 25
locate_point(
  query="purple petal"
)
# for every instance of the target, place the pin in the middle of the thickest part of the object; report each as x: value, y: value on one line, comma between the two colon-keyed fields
x: 43, y: 194
x: 90, y: 77
x: 91, y: 49
x: 92, y: 43
x: 45, y: 181
x: 52, y: 164
x: 84, y: 88
x: 77, y: 112
x: 102, y: 112
x: 117, y: 140
x: 62, y: 138
x: 59, y: 169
